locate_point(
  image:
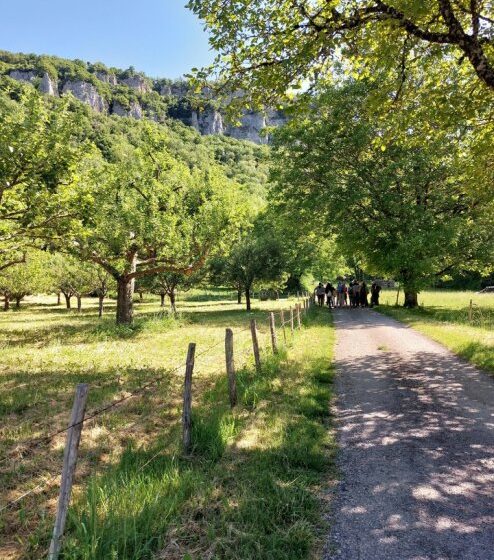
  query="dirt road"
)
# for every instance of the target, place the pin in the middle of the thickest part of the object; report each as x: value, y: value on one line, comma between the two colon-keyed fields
x: 416, y: 431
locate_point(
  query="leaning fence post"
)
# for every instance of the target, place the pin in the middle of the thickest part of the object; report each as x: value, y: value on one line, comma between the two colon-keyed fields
x: 272, y: 327
x: 187, y: 409
x: 298, y: 315
x: 255, y: 344
x: 282, y: 314
x: 291, y: 321
x: 230, y: 367
x: 69, y: 464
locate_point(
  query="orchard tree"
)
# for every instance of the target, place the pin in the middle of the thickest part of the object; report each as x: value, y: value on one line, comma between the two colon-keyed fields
x: 38, y: 156
x: 152, y: 213
x: 167, y: 284
x: 74, y: 278
x: 410, y: 211
x: 24, y: 279
x: 255, y: 260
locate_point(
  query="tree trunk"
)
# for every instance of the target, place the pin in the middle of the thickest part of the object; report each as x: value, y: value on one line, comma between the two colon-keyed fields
x: 141, y: 296
x: 67, y: 300
x: 79, y: 303
x: 125, y: 312
x: 247, y: 298
x: 58, y: 298
x: 411, y: 300
x: 6, y: 302
x: 172, y: 301
x: 162, y: 296
x: 239, y: 296
x: 18, y: 302
x: 100, y: 305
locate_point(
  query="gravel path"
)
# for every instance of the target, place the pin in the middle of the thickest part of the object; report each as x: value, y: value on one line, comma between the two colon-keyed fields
x: 416, y: 430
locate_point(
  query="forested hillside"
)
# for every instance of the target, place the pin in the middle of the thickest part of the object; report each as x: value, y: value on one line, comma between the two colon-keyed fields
x: 132, y: 93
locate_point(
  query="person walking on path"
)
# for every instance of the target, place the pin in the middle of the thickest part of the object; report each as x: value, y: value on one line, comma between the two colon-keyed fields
x: 329, y: 294
x: 356, y: 293
x: 375, y: 290
x: 320, y: 292
x: 364, y: 292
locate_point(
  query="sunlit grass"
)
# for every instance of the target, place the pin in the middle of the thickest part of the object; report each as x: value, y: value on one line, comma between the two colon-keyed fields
x: 445, y: 316
x: 47, y: 350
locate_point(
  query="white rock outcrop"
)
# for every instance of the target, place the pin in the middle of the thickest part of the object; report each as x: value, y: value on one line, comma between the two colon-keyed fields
x: 134, y: 111
x: 251, y: 125
x: 137, y: 83
x: 45, y: 83
x: 107, y: 77
x: 87, y: 93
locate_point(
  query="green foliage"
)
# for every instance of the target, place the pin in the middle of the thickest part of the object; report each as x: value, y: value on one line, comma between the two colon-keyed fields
x: 29, y: 277
x: 408, y: 210
x: 269, y: 50
x: 256, y: 259
x: 39, y: 150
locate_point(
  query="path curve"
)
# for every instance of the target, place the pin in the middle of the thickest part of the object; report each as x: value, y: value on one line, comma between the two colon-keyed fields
x: 415, y: 425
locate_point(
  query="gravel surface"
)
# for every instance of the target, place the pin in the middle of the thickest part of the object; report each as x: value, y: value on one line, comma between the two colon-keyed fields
x: 415, y: 427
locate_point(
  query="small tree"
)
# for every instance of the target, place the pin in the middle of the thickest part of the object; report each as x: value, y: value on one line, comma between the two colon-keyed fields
x: 75, y: 278
x: 167, y: 284
x: 21, y: 280
x: 252, y: 260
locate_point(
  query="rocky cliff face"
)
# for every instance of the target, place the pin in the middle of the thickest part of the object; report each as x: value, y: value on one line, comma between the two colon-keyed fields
x: 87, y: 93
x: 131, y: 94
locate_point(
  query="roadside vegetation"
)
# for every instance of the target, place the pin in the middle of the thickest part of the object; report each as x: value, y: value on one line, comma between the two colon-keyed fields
x: 445, y: 317
x: 250, y: 486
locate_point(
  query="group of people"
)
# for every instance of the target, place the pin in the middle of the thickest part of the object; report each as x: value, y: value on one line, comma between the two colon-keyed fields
x: 355, y: 294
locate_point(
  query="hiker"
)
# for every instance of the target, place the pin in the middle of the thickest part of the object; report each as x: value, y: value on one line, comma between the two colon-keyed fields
x: 364, y: 292
x: 356, y: 293
x: 339, y: 293
x: 351, y: 298
x: 345, y: 294
x: 329, y: 294
x: 320, y: 292
x: 375, y: 290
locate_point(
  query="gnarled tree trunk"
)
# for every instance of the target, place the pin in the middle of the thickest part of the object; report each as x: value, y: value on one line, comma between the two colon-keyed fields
x: 58, y: 298
x: 172, y: 301
x: 125, y: 292
x: 101, y: 299
x: 6, y: 302
x: 162, y: 297
x: 247, y: 299
x: 67, y: 300
x: 239, y: 296
x: 411, y: 299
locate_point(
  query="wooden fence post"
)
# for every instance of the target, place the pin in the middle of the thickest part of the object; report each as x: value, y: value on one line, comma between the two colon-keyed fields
x: 291, y: 321
x: 272, y: 327
x: 69, y: 464
x: 470, y: 311
x: 298, y: 315
x: 230, y: 367
x: 255, y: 344
x: 282, y: 314
x: 187, y: 409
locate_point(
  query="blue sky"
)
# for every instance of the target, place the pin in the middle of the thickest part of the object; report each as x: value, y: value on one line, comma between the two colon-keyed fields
x: 159, y: 37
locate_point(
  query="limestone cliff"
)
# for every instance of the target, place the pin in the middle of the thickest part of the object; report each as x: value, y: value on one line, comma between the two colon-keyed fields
x: 129, y: 93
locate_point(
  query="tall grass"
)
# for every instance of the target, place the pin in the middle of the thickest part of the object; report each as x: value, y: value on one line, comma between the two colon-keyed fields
x: 248, y: 490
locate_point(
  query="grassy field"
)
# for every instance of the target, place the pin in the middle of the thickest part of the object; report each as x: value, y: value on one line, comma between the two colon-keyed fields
x: 250, y: 487
x: 444, y: 316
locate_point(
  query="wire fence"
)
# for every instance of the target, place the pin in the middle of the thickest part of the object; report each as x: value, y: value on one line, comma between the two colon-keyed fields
x: 244, y: 349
